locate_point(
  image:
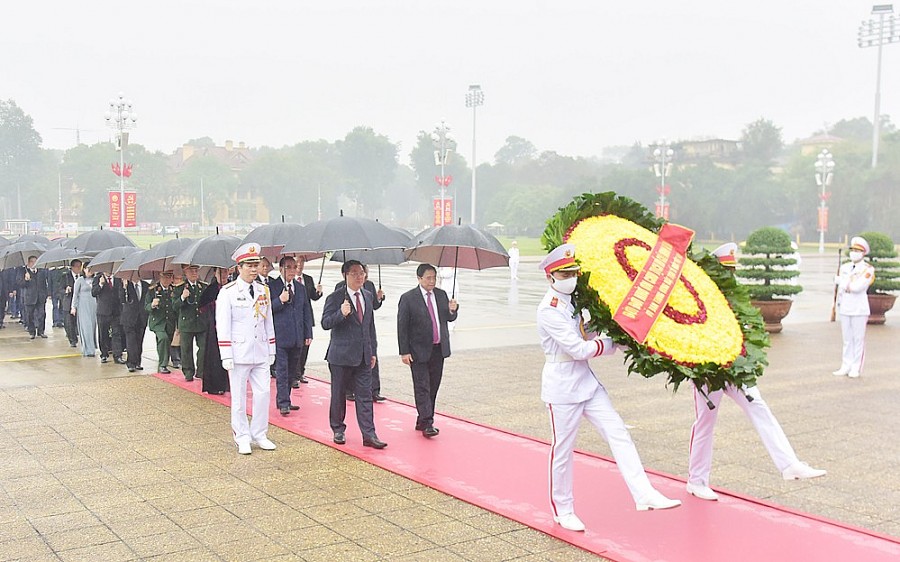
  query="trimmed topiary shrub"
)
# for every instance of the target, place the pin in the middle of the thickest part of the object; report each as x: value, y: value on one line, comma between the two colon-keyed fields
x: 765, y: 263
x: 882, y: 256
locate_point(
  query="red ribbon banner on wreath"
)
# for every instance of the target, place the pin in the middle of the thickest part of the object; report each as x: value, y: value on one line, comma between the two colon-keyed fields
x: 654, y: 283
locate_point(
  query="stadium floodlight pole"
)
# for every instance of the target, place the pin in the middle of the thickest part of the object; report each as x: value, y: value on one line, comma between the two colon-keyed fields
x: 662, y: 167
x: 121, y: 117
x: 474, y: 99
x: 824, y: 172
x: 877, y: 33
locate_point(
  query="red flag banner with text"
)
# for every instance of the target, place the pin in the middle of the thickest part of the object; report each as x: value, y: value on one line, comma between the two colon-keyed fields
x: 654, y: 283
x: 115, y: 209
x: 130, y: 209
x: 447, y: 211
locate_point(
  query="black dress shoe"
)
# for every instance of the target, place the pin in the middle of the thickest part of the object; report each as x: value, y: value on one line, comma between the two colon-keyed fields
x: 304, y: 380
x: 130, y: 369
x: 295, y: 408
x: 33, y: 336
x: 165, y: 371
x: 375, y: 443
x: 339, y: 438
x: 138, y: 367
x: 188, y: 379
x: 379, y: 398
x: 104, y: 359
x: 73, y: 344
x: 284, y: 411
x: 295, y: 384
x: 119, y: 361
x: 351, y: 397
x: 43, y: 336
x: 176, y: 365
x: 430, y: 432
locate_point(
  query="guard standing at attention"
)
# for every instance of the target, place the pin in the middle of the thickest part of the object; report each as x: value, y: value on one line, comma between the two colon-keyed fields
x: 247, y: 346
x: 853, y: 282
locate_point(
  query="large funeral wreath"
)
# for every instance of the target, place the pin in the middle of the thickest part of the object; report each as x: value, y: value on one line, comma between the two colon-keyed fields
x: 708, y: 333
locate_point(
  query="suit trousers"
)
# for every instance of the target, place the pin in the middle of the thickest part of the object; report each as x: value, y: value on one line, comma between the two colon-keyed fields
x: 564, y: 422
x: 356, y: 379
x: 110, y: 335
x: 57, y: 311
x: 134, y: 343
x: 426, y: 382
x: 301, y: 367
x: 71, y: 324
x: 257, y: 375
x: 853, y: 332
x: 189, y: 366
x: 287, y: 360
x: 36, y: 317
x: 773, y: 437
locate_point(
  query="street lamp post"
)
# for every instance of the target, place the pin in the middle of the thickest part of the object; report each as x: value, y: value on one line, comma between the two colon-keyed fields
x: 877, y: 33
x: 824, y: 173
x: 474, y: 99
x: 662, y: 165
x: 121, y: 117
x: 442, y: 144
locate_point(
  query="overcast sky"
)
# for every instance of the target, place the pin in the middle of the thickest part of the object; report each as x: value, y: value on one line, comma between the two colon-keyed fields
x: 570, y: 76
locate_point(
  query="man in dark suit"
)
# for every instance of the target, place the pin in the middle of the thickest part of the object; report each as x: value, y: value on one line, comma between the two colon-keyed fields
x: 376, y: 371
x: 292, y: 315
x: 56, y: 279
x: 109, y: 312
x: 422, y: 316
x: 134, y: 320
x: 348, y: 314
x: 66, y: 289
x: 36, y: 286
x: 314, y: 292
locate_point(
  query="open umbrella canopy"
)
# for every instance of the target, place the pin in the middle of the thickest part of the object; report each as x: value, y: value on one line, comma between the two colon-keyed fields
x: 58, y: 257
x: 43, y: 240
x: 107, y: 261
x: 212, y: 251
x: 458, y: 246
x: 344, y: 233
x: 159, y: 258
x: 4, y: 242
x: 17, y: 254
x: 272, y: 237
x: 127, y: 269
x: 95, y: 241
x: 58, y: 242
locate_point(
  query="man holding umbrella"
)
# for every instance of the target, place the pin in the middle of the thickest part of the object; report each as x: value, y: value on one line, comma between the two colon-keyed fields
x: 162, y: 317
x: 191, y: 324
x: 37, y: 289
x: 424, y: 340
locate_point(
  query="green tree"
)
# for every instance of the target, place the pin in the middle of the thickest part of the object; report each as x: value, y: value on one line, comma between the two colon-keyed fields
x: 515, y: 151
x: 761, y: 141
x: 218, y: 180
x: 88, y: 178
x: 424, y: 163
x: 368, y: 164
x: 20, y: 157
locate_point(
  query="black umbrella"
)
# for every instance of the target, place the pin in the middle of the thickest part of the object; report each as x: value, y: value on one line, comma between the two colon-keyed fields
x: 95, y: 241
x: 59, y: 242
x: 17, y: 254
x: 127, y: 269
x: 458, y: 246
x: 379, y: 257
x: 33, y: 238
x: 159, y: 258
x: 58, y: 257
x: 107, y: 261
x: 212, y: 251
x: 4, y: 242
x: 272, y: 237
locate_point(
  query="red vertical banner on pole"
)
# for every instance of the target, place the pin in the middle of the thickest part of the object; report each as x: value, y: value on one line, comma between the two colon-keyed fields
x: 115, y: 210
x: 130, y: 209
x: 823, y: 219
x: 448, y: 210
x: 437, y: 211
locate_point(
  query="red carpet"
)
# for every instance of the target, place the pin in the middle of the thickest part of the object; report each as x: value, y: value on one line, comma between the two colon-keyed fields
x: 507, y: 474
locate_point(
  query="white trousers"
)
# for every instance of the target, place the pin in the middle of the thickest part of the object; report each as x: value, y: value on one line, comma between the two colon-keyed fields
x: 773, y: 437
x: 564, y: 421
x: 853, y: 331
x: 258, y: 375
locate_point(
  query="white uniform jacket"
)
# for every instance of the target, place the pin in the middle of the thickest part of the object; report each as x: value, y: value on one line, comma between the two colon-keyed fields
x: 567, y: 377
x: 244, y: 323
x: 853, y: 281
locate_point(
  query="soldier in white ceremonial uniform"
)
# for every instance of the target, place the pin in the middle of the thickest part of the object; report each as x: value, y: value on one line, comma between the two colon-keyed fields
x: 751, y: 402
x: 247, y: 346
x: 571, y: 390
x: 853, y: 282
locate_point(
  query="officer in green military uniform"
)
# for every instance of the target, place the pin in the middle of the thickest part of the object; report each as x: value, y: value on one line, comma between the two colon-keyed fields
x: 191, y: 324
x: 158, y: 302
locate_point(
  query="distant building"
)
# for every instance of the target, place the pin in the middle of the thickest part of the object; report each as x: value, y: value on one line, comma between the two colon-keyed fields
x: 720, y: 151
x: 813, y: 145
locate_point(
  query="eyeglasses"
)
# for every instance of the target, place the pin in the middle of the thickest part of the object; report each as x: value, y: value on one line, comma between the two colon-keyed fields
x: 357, y: 273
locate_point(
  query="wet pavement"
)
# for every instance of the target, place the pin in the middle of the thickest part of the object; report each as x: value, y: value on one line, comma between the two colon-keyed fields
x: 104, y: 465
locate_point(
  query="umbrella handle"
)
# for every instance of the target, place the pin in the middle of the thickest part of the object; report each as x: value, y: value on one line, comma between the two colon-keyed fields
x: 379, y: 276
x: 321, y: 271
x: 455, y: 264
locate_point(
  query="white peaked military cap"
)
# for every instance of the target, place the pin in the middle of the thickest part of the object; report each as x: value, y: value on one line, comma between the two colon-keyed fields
x: 726, y: 254
x: 561, y: 258
x: 859, y: 243
x: 248, y: 252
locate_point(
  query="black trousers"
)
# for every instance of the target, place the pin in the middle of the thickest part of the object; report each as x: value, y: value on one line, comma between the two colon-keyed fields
x: 134, y: 343
x: 356, y: 379
x: 71, y: 324
x: 426, y: 382
x: 301, y: 366
x: 35, y: 318
x: 287, y: 360
x: 110, y: 335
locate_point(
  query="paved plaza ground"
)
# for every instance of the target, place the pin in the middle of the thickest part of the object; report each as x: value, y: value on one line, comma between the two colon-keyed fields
x: 103, y: 465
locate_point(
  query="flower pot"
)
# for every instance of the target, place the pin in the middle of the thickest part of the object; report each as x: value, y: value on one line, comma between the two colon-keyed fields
x: 772, y: 312
x: 878, y: 305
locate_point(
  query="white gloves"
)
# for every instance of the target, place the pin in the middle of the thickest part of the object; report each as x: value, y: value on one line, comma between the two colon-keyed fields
x: 271, y: 360
x: 228, y: 364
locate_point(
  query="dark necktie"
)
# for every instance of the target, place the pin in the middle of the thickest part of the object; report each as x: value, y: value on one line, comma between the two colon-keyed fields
x: 359, y: 311
x: 290, y: 291
x: 435, y: 335
x: 251, y: 289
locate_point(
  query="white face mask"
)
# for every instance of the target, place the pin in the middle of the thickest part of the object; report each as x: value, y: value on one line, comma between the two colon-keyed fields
x: 565, y: 286
x: 856, y: 256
